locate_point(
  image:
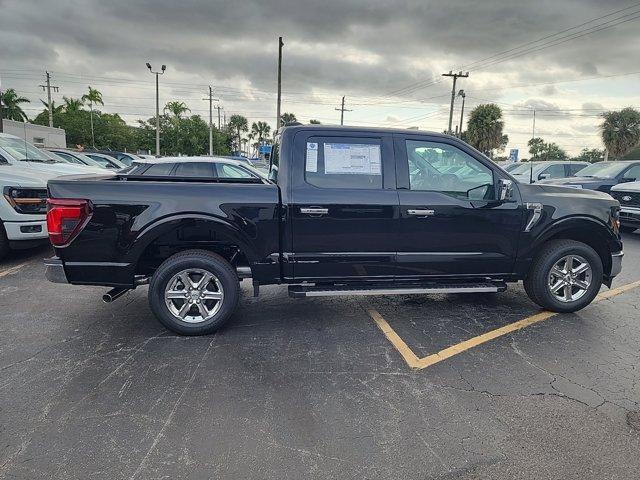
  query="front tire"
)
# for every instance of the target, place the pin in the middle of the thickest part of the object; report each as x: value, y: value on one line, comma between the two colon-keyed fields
x: 194, y: 292
x: 565, y: 277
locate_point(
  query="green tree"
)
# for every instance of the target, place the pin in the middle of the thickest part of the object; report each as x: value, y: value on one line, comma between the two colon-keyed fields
x: 543, y: 151
x: 592, y: 155
x: 485, y: 128
x: 72, y: 104
x: 536, y: 147
x: 314, y: 122
x: 238, y: 124
x: 287, y: 118
x: 10, y: 104
x: 176, y: 108
x: 260, y: 131
x: 94, y: 97
x: 621, y: 131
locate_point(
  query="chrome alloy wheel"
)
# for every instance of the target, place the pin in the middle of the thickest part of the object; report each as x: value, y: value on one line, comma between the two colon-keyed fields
x: 194, y: 295
x: 569, y: 278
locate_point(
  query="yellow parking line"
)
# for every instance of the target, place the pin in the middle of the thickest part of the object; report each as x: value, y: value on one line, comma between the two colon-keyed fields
x: 419, y: 363
x: 11, y: 270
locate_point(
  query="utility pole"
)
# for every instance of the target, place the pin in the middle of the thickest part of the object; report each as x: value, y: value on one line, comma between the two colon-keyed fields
x: 342, y: 110
x: 211, y: 99
x: 533, y: 134
x: 48, y: 88
x: 1, y: 129
x: 157, y: 74
x: 455, y: 77
x: 218, y: 107
x: 280, y: 45
x: 463, y: 95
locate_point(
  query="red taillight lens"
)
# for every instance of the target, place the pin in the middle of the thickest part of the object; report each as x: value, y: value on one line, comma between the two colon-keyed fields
x: 66, y: 219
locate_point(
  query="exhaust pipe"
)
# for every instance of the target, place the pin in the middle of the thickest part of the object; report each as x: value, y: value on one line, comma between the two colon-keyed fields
x: 114, y: 294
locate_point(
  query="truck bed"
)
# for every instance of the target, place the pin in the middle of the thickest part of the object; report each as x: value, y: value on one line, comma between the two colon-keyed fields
x: 133, y: 219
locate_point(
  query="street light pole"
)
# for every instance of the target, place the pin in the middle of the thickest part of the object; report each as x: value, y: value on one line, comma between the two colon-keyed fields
x: 157, y: 74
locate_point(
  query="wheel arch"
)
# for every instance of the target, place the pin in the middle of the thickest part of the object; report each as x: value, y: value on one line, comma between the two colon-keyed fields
x: 173, y: 234
x: 588, y: 230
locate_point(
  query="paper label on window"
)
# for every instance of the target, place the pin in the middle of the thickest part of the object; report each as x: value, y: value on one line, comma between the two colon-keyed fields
x: 312, y: 157
x: 352, y: 159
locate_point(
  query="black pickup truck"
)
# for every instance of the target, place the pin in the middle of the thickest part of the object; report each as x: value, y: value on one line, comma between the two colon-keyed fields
x: 351, y: 211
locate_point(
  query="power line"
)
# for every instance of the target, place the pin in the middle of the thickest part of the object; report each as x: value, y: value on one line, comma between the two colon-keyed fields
x: 470, y: 65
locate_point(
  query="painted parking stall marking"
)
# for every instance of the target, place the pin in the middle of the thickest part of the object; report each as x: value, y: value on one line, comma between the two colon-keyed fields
x: 417, y: 363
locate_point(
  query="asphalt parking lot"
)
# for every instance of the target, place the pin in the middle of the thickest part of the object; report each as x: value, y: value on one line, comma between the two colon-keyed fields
x: 472, y: 386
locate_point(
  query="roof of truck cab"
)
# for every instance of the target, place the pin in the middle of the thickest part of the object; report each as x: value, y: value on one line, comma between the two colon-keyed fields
x: 355, y: 128
x: 204, y: 159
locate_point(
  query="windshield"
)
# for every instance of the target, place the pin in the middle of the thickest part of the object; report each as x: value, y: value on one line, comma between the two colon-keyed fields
x: 602, y: 170
x: 520, y: 169
x: 24, y: 151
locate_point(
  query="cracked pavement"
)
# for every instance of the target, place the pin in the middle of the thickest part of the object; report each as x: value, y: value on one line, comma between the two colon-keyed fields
x: 312, y: 389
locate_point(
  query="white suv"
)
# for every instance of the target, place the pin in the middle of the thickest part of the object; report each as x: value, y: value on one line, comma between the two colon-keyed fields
x: 24, y: 172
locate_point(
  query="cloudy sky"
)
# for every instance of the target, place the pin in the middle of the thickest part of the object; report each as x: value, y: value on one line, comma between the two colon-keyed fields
x: 385, y: 57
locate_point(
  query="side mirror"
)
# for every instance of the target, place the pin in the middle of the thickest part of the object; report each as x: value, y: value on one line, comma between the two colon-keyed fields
x: 505, y: 189
x: 273, y: 174
x: 544, y: 176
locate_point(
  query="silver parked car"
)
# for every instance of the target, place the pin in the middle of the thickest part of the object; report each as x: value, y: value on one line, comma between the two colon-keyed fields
x: 531, y: 172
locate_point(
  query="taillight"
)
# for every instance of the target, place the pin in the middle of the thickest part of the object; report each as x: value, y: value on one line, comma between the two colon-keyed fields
x: 66, y: 219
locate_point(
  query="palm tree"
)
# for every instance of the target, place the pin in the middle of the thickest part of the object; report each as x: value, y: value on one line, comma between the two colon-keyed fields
x: 621, y: 131
x: 484, y: 128
x: 239, y: 124
x: 176, y: 108
x: 93, y: 97
x: 260, y: 130
x: 10, y: 104
x: 72, y: 105
x: 287, y: 118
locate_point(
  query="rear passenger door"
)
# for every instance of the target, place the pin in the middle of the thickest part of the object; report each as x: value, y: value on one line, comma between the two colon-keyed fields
x: 344, y: 210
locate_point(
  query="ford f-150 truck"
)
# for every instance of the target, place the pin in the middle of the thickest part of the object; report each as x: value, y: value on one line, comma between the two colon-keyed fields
x: 350, y: 211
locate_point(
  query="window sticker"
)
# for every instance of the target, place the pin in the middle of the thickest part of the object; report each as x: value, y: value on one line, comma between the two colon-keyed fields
x: 352, y: 159
x: 312, y: 157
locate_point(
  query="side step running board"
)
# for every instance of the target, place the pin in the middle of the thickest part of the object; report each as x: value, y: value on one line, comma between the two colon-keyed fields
x: 300, y: 291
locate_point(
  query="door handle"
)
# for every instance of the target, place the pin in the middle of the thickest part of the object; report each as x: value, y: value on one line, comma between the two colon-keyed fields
x: 421, y: 212
x: 314, y: 210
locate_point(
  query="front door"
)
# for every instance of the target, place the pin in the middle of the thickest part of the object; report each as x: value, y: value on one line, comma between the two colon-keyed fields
x: 344, y: 210
x: 451, y: 223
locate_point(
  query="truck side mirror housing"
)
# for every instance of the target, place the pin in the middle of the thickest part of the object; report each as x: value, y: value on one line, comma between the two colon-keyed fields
x: 544, y: 176
x: 273, y: 174
x: 505, y: 189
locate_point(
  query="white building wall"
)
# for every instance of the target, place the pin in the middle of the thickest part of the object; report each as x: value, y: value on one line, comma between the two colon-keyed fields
x: 39, y: 135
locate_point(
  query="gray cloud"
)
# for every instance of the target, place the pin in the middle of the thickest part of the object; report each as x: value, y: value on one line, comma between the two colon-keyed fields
x: 365, y: 49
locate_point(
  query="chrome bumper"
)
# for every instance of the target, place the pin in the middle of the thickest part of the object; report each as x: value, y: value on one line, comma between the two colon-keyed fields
x: 616, y: 263
x: 55, y: 270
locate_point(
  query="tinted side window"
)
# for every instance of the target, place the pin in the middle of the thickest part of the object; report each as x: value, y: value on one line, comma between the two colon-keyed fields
x: 231, y: 171
x: 159, y: 169
x: 444, y: 168
x: 553, y: 171
x: 573, y: 168
x: 344, y: 163
x: 633, y: 172
x: 199, y: 170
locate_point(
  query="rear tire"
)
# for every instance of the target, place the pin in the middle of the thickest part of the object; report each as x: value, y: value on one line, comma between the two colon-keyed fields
x: 4, y: 243
x: 565, y: 277
x: 194, y: 292
x: 627, y: 229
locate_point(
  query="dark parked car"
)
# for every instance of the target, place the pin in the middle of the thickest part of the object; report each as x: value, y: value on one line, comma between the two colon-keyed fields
x: 353, y: 211
x: 600, y: 176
